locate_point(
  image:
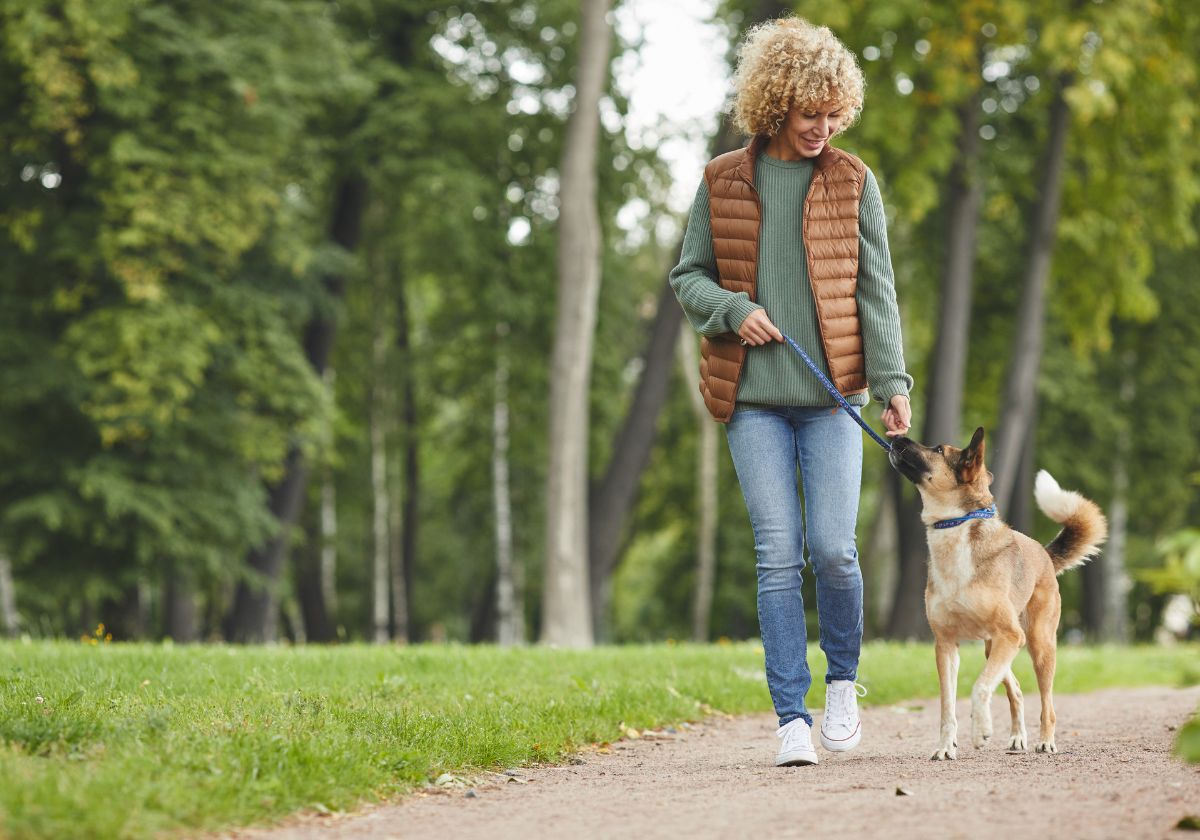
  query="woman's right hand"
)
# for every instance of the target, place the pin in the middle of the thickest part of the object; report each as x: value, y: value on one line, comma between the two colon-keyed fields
x: 757, y: 329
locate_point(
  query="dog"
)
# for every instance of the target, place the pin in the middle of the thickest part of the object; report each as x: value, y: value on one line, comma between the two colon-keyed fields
x: 988, y: 581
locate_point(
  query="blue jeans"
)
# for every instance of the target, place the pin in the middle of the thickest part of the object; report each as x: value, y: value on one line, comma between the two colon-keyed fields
x: 767, y: 444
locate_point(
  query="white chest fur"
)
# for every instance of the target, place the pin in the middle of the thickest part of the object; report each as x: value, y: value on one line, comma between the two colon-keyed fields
x: 950, y: 564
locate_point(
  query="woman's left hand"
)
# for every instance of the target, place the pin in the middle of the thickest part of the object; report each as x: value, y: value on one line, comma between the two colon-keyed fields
x: 897, y: 416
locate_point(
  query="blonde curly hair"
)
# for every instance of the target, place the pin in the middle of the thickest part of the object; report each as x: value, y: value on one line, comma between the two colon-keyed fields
x: 789, y: 62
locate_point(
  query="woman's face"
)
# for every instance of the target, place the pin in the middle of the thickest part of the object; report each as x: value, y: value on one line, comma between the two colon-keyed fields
x: 806, y: 130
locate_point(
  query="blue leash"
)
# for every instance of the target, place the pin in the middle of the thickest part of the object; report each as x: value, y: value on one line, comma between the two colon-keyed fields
x: 982, y: 513
x: 833, y: 392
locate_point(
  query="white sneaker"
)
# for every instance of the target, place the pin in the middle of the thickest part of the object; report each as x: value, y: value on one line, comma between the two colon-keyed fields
x: 841, y: 729
x: 797, y: 747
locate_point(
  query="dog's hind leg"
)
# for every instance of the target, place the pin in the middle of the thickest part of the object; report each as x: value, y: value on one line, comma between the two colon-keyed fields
x: 1002, y: 649
x: 1044, y: 609
x: 946, y: 650
x: 1016, y: 706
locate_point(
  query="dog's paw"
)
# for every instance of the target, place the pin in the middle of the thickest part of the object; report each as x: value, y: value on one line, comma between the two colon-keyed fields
x: 1046, y: 747
x: 1017, y: 743
x: 978, y: 739
x: 945, y: 754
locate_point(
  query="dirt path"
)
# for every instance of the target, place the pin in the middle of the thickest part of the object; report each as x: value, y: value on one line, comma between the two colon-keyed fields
x: 1114, y: 778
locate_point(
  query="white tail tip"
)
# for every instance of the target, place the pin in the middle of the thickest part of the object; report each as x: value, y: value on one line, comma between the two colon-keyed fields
x: 1055, y: 502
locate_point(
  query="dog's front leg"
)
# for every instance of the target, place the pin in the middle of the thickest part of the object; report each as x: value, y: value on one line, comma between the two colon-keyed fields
x: 946, y: 650
x: 1003, y: 647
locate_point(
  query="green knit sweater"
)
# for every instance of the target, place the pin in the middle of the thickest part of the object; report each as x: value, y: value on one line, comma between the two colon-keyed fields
x: 774, y: 373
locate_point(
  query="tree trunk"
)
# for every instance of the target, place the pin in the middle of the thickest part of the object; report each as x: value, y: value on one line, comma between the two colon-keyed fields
x: 510, y: 624
x: 328, y: 534
x: 907, y: 619
x: 124, y: 613
x: 255, y: 613
x: 310, y: 589
x: 1105, y: 580
x: 1115, y: 626
x: 396, y: 565
x: 315, y: 562
x: 1020, y: 395
x: 614, y: 496
x: 566, y: 605
x: 405, y: 513
x: 179, y: 606
x: 880, y: 562
x: 379, y: 490
x: 947, y: 366
x: 706, y: 493
x: 1020, y: 507
x: 947, y: 372
x: 293, y: 623
x: 10, y: 621
x: 483, y: 613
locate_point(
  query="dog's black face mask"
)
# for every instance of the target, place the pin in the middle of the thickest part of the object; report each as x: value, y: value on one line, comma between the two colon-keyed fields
x: 907, y: 459
x: 940, y: 467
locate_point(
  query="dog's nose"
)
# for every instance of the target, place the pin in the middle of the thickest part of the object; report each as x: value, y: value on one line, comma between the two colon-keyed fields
x: 901, y: 443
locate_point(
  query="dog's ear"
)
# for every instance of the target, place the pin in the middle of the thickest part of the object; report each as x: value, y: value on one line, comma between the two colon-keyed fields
x: 977, y: 439
x: 971, y: 463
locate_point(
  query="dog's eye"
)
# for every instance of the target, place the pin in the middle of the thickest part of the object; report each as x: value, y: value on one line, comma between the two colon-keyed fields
x: 938, y: 450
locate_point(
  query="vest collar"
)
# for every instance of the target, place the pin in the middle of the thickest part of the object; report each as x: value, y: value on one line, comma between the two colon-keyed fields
x: 745, y: 169
x: 981, y: 513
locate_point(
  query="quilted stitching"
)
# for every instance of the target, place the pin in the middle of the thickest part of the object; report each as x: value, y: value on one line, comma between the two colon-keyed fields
x: 830, y: 230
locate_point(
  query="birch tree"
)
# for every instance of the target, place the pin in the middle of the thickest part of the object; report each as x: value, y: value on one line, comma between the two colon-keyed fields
x: 510, y: 612
x: 566, y: 605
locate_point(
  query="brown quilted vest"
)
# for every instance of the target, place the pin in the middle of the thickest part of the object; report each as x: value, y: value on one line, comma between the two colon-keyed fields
x: 830, y: 231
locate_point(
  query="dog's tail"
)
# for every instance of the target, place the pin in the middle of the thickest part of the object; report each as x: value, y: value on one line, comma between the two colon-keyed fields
x: 1084, y: 526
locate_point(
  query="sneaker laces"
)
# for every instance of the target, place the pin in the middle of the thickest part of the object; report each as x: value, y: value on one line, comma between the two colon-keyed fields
x: 795, y: 734
x: 841, y: 702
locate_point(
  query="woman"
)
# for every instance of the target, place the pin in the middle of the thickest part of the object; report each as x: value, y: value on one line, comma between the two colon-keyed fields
x: 788, y: 236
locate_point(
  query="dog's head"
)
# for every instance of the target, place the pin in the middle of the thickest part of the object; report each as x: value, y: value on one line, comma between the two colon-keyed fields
x: 944, y: 474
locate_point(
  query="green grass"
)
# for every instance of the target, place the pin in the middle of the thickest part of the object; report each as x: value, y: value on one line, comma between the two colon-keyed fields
x: 146, y: 740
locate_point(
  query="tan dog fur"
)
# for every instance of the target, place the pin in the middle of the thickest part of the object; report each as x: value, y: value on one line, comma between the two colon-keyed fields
x: 988, y: 581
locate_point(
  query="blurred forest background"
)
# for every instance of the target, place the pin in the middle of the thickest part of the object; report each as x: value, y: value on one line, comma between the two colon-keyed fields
x: 349, y: 320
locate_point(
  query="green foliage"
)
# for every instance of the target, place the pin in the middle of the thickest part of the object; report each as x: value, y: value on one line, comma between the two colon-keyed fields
x: 159, y: 256
x: 1180, y: 570
x: 1187, y: 745
x: 167, y: 174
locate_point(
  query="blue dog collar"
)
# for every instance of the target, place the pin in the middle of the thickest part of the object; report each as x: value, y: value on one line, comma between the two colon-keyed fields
x: 982, y: 513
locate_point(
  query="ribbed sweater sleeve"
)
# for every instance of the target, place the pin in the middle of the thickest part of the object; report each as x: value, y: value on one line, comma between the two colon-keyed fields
x: 878, y: 314
x: 710, y: 309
